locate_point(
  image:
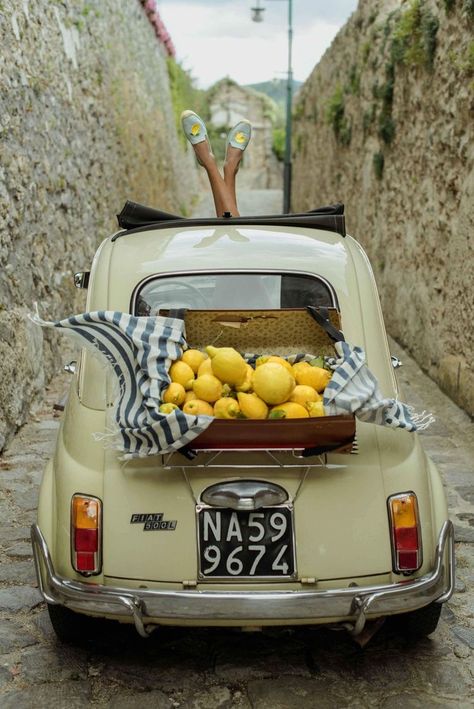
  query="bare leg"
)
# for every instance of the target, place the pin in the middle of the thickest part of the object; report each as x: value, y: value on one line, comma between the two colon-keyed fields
x: 224, y: 196
x: 231, y: 167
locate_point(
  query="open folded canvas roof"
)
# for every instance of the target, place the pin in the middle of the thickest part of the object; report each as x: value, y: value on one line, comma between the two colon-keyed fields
x: 136, y: 217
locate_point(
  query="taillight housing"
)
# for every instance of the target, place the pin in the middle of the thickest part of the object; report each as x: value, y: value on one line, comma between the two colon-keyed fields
x: 86, y: 534
x: 405, y: 533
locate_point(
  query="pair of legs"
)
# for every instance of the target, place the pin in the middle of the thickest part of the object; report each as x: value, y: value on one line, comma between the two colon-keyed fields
x: 223, y: 187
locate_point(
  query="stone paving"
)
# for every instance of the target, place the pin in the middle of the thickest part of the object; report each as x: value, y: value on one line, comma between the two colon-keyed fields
x: 212, y: 668
x: 250, y: 202
x: 298, y: 668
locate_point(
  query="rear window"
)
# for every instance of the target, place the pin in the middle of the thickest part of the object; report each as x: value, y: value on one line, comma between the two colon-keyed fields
x: 238, y: 291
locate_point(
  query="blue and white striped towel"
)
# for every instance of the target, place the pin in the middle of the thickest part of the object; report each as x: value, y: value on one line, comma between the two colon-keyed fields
x: 140, y: 351
x: 354, y: 389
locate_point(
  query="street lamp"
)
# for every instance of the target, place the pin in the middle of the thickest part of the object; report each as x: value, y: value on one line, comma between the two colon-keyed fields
x: 257, y: 16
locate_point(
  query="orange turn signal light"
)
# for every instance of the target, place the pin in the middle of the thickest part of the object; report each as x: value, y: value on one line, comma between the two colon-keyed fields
x: 405, y: 532
x: 86, y: 513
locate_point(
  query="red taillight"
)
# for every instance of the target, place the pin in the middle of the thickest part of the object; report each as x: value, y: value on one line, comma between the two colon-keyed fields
x: 406, y: 540
x: 85, y: 534
x: 85, y: 562
x: 86, y: 540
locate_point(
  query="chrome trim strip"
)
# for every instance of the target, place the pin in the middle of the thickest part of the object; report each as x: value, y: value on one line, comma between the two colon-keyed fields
x: 353, y: 604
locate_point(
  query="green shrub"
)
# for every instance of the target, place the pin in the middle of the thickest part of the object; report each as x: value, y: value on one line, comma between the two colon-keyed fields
x: 298, y: 111
x: 468, y: 7
x: 449, y: 5
x: 414, y: 38
x: 430, y: 26
x: 468, y: 59
x: 184, y: 95
x: 365, y: 51
x: 386, y: 125
x: 336, y: 117
x: 378, y: 162
x: 463, y: 60
x: 386, y: 128
x: 354, y: 81
x: 368, y: 119
x: 386, y: 90
x: 279, y: 143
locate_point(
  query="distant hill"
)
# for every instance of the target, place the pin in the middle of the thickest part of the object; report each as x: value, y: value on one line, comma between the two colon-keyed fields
x: 276, y: 89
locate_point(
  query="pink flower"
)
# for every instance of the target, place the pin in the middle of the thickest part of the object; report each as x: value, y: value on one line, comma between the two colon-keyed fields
x: 150, y: 5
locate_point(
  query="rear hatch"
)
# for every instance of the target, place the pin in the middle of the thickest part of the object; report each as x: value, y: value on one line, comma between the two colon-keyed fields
x: 336, y: 511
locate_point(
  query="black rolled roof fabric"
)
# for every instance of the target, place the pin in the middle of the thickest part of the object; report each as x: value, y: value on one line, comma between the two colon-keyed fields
x: 136, y: 217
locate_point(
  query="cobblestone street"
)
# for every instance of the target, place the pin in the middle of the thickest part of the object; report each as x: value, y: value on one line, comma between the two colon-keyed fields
x: 222, y: 669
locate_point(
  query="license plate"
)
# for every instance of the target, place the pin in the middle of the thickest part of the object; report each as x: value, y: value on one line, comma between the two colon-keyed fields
x: 241, y: 544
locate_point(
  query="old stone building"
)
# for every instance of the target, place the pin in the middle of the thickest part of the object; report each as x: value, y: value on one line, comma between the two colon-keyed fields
x: 230, y: 103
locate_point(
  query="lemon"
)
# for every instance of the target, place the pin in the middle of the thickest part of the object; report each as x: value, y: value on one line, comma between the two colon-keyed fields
x: 247, y: 383
x: 252, y: 406
x: 273, y: 383
x: 316, y: 408
x: 182, y: 373
x: 226, y: 408
x: 227, y: 364
x: 290, y: 410
x: 208, y: 388
x: 174, y: 394
x: 167, y: 408
x: 198, y: 407
x: 304, y: 395
x: 190, y: 395
x: 299, y: 367
x: 274, y: 358
x: 194, y: 358
x: 205, y: 367
x: 315, y: 377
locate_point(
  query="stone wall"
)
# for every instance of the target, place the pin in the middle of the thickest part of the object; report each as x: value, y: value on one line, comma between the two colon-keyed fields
x: 384, y: 124
x: 85, y: 123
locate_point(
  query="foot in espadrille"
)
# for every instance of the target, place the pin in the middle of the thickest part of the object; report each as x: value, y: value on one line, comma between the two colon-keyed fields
x: 195, y: 131
x: 193, y: 127
x: 237, y: 140
x: 239, y: 136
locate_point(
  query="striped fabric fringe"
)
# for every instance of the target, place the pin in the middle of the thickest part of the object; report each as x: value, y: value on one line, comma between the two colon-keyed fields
x: 140, y: 351
x: 354, y: 389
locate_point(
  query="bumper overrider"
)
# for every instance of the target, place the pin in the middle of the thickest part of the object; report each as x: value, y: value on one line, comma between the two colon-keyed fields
x: 352, y: 605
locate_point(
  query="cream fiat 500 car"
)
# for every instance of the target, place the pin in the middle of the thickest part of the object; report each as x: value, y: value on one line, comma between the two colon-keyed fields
x: 254, y: 523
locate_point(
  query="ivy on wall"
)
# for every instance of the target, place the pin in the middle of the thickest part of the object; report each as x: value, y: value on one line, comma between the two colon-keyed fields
x: 184, y: 95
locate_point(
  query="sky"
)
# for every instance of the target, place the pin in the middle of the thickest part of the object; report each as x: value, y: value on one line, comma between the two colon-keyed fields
x: 217, y: 38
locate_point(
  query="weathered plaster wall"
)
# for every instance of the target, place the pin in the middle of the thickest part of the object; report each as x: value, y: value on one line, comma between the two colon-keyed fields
x: 393, y: 138
x: 85, y: 123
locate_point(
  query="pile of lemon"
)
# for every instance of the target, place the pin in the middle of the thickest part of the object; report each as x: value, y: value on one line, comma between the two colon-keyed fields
x: 220, y: 383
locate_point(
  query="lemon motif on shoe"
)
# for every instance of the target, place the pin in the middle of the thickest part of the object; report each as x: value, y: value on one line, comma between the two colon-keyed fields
x: 240, y: 137
x: 195, y: 129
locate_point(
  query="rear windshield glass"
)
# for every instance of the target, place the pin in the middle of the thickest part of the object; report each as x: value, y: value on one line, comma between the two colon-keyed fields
x: 242, y: 291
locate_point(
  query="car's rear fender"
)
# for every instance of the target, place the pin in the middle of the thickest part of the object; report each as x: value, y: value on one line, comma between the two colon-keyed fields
x: 77, y: 467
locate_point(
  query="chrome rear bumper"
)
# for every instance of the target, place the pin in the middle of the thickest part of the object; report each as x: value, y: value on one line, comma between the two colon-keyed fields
x: 350, y: 605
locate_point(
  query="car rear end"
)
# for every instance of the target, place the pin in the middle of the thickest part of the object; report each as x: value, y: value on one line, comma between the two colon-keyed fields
x: 243, y: 537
